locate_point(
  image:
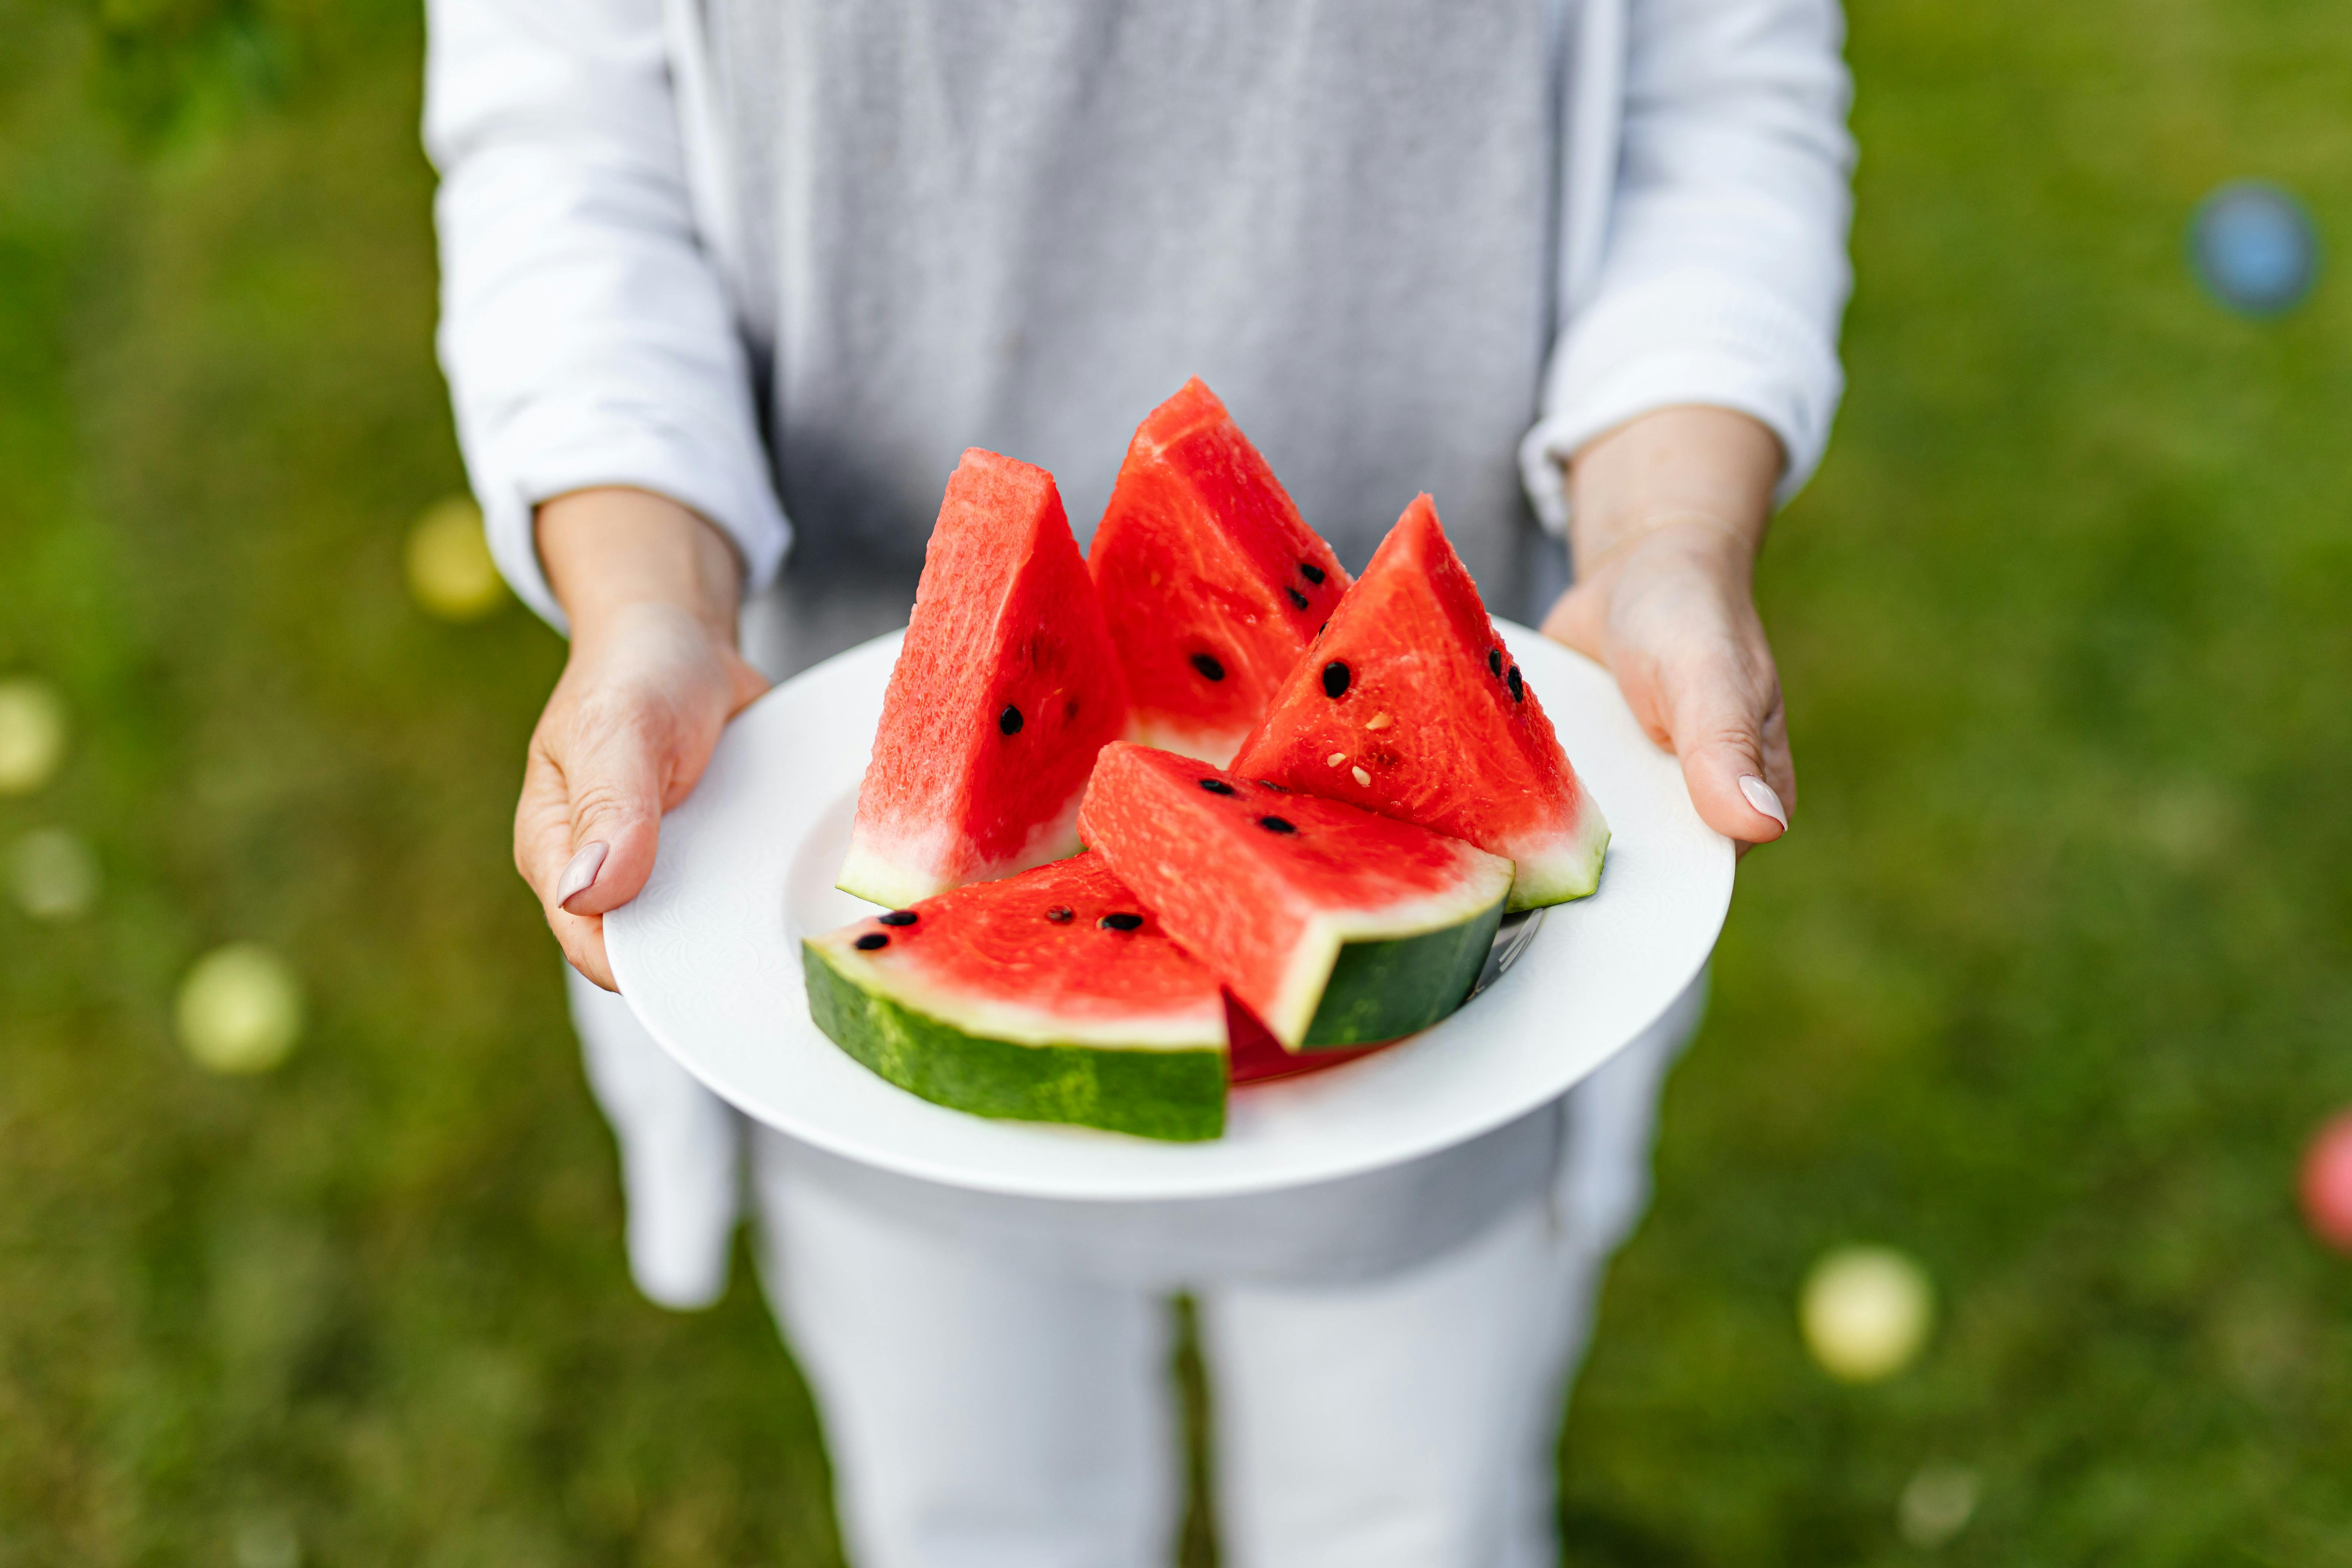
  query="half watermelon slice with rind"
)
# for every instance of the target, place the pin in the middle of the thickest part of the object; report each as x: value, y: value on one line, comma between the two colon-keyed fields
x: 1334, y: 926
x: 1211, y: 580
x: 1410, y: 705
x: 1054, y: 995
x: 1006, y: 688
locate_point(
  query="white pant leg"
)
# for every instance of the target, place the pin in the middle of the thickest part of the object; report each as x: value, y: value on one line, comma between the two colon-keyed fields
x: 681, y: 1151
x: 980, y: 1414
x: 1612, y: 1119
x: 1413, y: 1422
x: 681, y: 1146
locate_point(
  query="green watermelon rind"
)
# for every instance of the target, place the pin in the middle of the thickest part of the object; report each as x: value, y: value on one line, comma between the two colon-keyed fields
x: 1169, y: 1093
x: 1386, y: 990
x: 1559, y: 873
x: 1481, y: 896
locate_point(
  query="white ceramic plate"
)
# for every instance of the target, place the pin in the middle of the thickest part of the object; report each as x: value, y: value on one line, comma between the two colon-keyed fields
x: 708, y: 955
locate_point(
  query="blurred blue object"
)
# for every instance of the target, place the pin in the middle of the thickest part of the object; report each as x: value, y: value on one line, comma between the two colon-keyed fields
x: 2255, y: 248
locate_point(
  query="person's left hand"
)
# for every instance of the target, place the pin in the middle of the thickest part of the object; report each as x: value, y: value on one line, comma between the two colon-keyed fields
x: 1669, y: 512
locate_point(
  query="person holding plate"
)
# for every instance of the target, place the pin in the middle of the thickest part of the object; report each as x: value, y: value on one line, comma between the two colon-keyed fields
x: 728, y: 285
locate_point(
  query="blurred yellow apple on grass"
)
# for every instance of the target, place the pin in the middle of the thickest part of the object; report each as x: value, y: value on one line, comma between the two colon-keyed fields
x: 450, y: 571
x: 240, y: 1009
x: 1937, y: 1504
x: 1865, y: 1311
x: 53, y: 874
x: 32, y: 734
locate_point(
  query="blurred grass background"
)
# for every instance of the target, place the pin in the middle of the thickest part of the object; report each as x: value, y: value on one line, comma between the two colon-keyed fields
x: 2048, y: 988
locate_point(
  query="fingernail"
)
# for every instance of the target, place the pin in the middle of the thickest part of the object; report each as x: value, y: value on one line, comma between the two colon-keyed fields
x: 581, y: 875
x: 1760, y: 795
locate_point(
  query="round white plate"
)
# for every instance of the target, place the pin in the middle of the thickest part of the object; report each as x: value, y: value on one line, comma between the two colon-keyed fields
x: 708, y: 956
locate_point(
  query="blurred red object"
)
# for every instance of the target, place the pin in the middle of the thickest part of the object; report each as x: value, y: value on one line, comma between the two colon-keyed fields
x: 1256, y: 1055
x: 2327, y: 1184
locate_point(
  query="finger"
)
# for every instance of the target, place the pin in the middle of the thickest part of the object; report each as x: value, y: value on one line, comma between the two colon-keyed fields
x: 1740, y: 782
x: 542, y: 849
x: 543, y: 841
x: 611, y: 765
x: 582, y: 939
x: 1780, y: 770
x: 1779, y: 767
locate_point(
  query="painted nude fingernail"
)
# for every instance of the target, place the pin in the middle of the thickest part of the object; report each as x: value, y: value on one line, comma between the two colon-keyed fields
x: 1762, y: 796
x: 581, y: 875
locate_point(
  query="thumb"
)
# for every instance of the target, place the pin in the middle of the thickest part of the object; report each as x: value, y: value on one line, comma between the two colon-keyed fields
x: 612, y: 773
x: 1731, y: 732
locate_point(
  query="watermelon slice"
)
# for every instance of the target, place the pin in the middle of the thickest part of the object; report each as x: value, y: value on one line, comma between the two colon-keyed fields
x: 1254, y: 1055
x: 1212, y: 583
x: 1052, y: 996
x: 1006, y: 687
x: 1409, y: 706
x: 1336, y: 927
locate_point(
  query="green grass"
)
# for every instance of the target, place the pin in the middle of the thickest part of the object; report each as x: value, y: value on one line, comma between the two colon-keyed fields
x: 2048, y: 987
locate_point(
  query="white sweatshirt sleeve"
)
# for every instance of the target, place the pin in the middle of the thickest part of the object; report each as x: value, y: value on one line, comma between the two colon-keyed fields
x: 585, y: 330
x: 1722, y: 271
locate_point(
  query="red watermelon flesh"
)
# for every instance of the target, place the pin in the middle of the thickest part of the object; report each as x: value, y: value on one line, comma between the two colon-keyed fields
x: 1211, y: 580
x: 1006, y: 687
x: 1410, y: 705
x: 1049, y: 996
x: 1253, y: 1055
x: 1062, y: 954
x: 1266, y: 886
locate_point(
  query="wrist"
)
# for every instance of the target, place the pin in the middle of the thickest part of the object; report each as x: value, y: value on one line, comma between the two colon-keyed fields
x: 612, y: 555
x: 1699, y: 478
x: 1702, y: 540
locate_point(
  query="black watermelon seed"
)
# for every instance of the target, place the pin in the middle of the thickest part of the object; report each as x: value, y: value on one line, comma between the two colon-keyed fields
x: 1312, y: 573
x: 1276, y: 824
x: 1321, y: 629
x: 1010, y: 719
x: 1208, y: 668
x: 1217, y: 786
x: 1270, y: 783
x: 1335, y: 680
x: 1298, y: 599
x: 1494, y: 659
x: 900, y: 918
x: 872, y: 939
x: 1121, y: 921
x: 1061, y: 914
x: 1518, y: 687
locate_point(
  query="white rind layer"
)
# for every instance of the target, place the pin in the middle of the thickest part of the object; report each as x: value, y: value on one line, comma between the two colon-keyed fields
x: 1215, y: 748
x: 896, y: 870
x: 1487, y: 880
x: 1196, y: 1028
x: 1555, y: 871
x: 886, y: 880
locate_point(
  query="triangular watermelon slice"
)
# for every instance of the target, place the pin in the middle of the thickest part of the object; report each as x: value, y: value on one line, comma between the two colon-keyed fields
x: 1211, y: 580
x: 1336, y: 927
x: 1409, y: 706
x: 1050, y: 996
x: 1005, y: 689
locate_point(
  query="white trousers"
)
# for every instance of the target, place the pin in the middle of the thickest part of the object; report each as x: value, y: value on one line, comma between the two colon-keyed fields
x: 982, y: 1415
x: 990, y: 1406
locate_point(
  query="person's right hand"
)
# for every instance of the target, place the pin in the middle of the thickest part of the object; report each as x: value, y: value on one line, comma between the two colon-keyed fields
x: 651, y: 591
